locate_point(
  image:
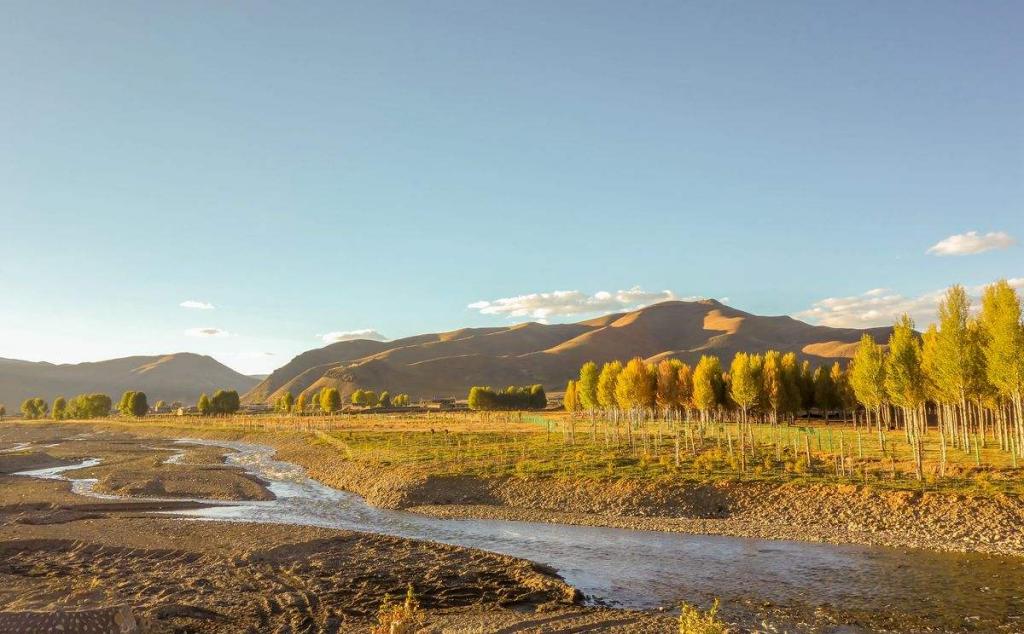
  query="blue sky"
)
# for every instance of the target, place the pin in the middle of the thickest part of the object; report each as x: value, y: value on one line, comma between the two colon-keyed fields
x: 327, y: 167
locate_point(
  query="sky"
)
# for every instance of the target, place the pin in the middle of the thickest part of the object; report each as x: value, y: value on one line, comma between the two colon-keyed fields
x: 252, y: 179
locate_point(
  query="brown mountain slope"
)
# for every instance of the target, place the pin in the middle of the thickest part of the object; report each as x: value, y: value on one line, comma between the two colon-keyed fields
x: 173, y: 377
x: 449, y: 364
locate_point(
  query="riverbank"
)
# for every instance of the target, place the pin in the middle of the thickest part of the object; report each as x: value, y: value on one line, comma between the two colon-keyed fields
x: 839, y: 514
x: 815, y: 512
x: 62, y: 552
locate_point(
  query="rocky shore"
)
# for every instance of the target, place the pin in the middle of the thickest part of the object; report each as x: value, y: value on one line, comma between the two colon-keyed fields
x: 841, y: 514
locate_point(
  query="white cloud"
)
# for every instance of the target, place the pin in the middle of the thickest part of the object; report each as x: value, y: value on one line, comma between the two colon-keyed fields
x: 191, y: 303
x: 972, y: 242
x: 207, y: 332
x: 882, y: 307
x: 349, y: 335
x: 542, y: 306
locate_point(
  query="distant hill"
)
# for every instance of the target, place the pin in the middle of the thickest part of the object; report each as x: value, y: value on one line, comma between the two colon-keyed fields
x: 448, y: 364
x: 173, y: 377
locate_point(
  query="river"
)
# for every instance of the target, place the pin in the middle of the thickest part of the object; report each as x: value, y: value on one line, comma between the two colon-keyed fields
x: 821, y: 585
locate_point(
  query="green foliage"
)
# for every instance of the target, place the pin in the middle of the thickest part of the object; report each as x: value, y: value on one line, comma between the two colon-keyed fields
x: 824, y: 390
x: 586, y: 387
x: 745, y: 384
x: 203, y: 405
x: 867, y: 377
x: 693, y: 621
x: 86, y: 406
x: 133, y: 403
x: 400, y: 400
x: 60, y: 408
x: 904, y: 384
x: 224, y: 402
x: 34, y: 408
x: 508, y: 399
x: 606, y: 384
x: 1003, y: 340
x: 301, y: 404
x: 707, y: 383
x: 330, y: 400
x: 385, y: 399
x: 138, y: 405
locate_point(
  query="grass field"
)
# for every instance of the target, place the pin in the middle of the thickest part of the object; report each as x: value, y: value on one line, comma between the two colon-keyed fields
x: 552, y: 444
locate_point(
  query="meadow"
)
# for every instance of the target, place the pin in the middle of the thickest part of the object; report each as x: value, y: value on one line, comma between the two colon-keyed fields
x: 561, y: 445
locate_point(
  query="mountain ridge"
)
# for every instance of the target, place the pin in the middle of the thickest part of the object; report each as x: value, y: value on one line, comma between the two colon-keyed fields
x: 448, y: 364
x: 179, y: 376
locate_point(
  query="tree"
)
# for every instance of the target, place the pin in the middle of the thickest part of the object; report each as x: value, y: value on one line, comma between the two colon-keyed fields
x: 1000, y: 320
x: 745, y: 386
x: 606, y: 384
x: 684, y: 379
x: 224, y: 402
x: 371, y: 398
x: 635, y: 386
x: 159, y: 406
x: 359, y: 397
x: 60, y: 406
x: 123, y: 407
x: 34, y: 408
x: 86, y: 406
x: 538, y: 398
x: 571, y: 401
x: 385, y: 399
x: 791, y: 400
x: 330, y: 400
x: 586, y: 387
x: 867, y: 377
x: 287, y: 401
x: 806, y: 387
x: 707, y: 382
x: 3, y: 411
x: 301, y: 403
x: 824, y: 391
x: 400, y: 400
x: 137, y: 405
x: 958, y: 362
x: 772, y: 384
x: 904, y: 383
x: 203, y: 405
x: 667, y: 379
x: 842, y: 393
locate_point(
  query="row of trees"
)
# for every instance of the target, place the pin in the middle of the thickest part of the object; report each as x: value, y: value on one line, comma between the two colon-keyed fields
x: 511, y: 398
x: 328, y: 401
x: 222, y: 403
x: 83, y: 406
x: 771, y: 387
x: 964, y: 375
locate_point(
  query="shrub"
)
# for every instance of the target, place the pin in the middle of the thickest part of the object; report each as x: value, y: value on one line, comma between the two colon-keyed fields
x: 693, y: 621
x: 402, y: 618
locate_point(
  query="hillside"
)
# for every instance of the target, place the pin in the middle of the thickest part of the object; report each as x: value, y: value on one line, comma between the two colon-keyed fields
x: 173, y: 377
x: 448, y: 364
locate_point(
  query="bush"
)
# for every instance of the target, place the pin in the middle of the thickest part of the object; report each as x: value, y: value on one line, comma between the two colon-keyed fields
x: 693, y: 621
x: 399, y: 619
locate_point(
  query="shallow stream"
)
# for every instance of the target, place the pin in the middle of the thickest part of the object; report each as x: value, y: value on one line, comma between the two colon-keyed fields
x: 820, y: 586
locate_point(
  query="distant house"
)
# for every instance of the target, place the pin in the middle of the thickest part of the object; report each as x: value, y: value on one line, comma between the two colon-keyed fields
x: 442, y: 403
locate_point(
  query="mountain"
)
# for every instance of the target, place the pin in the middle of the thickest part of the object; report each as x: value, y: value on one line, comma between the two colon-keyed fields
x: 173, y: 377
x: 448, y: 364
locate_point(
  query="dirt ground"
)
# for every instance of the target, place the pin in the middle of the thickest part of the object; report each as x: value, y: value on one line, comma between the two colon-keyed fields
x: 61, y: 553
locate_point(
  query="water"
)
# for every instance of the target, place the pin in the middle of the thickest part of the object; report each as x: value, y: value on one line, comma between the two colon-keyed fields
x: 639, y: 569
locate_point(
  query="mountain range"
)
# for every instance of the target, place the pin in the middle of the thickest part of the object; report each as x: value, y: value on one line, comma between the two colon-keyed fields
x: 449, y: 363
x: 173, y: 377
